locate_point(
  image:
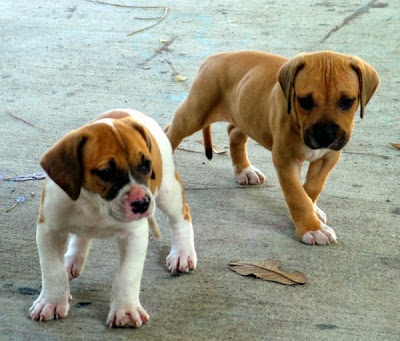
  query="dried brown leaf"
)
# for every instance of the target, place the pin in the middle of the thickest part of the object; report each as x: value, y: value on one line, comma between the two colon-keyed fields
x: 396, y: 145
x: 268, y: 270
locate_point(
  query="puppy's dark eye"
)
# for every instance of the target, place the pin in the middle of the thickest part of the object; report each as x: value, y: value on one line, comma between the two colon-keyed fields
x: 145, y: 166
x: 345, y: 103
x: 106, y: 174
x: 306, y: 103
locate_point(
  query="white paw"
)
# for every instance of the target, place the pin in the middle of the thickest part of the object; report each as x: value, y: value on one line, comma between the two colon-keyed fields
x: 74, y: 264
x: 44, y: 310
x: 324, y: 236
x: 127, y: 316
x: 249, y: 176
x: 320, y: 214
x: 181, y: 260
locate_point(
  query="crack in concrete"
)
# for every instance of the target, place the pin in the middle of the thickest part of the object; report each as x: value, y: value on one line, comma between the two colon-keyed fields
x: 360, y: 11
x: 163, y: 48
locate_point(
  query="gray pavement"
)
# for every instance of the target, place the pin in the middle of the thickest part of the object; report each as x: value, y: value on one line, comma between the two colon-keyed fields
x: 64, y: 62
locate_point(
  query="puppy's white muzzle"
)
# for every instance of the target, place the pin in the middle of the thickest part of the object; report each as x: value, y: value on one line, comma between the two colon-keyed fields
x: 135, y: 202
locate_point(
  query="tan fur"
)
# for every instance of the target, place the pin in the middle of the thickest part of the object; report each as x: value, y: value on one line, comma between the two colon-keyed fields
x: 185, y: 206
x: 41, y: 214
x: 257, y: 94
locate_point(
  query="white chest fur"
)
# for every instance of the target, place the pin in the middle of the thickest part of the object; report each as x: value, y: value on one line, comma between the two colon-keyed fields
x: 314, y: 154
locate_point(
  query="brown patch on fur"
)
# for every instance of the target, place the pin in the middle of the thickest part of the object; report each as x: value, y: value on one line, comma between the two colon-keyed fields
x: 149, y: 148
x: 156, y: 174
x: 126, y: 146
x: 41, y: 213
x: 185, y: 206
x: 63, y: 163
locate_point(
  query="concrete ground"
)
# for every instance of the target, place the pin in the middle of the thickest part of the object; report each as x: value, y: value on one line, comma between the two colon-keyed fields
x: 64, y: 62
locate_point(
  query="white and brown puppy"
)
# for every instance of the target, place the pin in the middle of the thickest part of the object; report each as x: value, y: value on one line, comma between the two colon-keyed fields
x: 104, y: 180
x: 302, y: 109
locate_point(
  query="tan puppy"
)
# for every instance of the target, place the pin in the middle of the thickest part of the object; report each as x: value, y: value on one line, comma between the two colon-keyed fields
x: 302, y: 109
x: 104, y: 180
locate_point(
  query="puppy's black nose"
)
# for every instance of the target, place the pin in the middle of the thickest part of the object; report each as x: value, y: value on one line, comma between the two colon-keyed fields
x: 140, y: 206
x: 322, y: 135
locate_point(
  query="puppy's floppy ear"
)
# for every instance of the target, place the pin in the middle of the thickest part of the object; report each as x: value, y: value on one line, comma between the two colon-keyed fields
x: 63, y: 163
x: 142, y: 130
x: 287, y: 75
x: 368, y: 81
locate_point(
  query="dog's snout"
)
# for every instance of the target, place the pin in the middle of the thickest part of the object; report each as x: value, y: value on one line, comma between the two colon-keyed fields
x: 140, y: 206
x: 322, y: 135
x: 325, y: 133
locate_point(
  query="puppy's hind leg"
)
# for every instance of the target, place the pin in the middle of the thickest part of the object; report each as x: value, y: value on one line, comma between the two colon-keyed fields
x: 198, y: 110
x: 76, y: 255
x: 182, y: 257
x: 186, y: 121
x: 243, y: 171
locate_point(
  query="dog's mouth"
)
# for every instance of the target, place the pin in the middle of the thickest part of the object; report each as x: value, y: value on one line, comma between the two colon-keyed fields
x: 126, y: 213
x: 325, y: 135
x: 135, y: 203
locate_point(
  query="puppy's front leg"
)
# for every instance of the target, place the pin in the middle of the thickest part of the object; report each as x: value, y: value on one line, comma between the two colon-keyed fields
x: 53, y: 300
x: 172, y: 201
x: 125, y: 307
x: 309, y: 228
x: 317, y: 174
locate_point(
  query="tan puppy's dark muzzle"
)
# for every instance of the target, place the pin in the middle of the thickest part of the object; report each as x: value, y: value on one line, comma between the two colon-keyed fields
x: 302, y: 109
x: 325, y: 135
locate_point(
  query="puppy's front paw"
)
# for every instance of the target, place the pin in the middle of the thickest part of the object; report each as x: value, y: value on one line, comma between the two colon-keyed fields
x: 320, y: 214
x: 44, y: 310
x: 181, y: 260
x: 248, y: 176
x: 324, y: 236
x: 127, y: 316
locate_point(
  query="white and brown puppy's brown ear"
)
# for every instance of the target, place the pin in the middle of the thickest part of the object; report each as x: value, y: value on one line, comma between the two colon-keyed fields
x: 145, y: 134
x: 287, y: 75
x: 135, y: 125
x: 63, y: 163
x: 368, y: 81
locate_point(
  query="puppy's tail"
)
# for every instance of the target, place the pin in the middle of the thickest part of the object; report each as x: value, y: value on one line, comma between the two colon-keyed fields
x: 207, y: 139
x: 155, y: 231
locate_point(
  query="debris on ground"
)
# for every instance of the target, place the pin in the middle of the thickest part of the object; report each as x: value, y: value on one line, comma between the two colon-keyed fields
x: 28, y: 177
x: 179, y: 78
x: 268, y: 270
x: 18, y: 200
x: 216, y: 149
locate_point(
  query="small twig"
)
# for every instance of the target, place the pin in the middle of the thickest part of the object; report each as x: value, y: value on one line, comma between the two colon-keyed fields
x: 29, y: 177
x: 29, y: 123
x: 206, y: 188
x: 12, y: 207
x: 72, y: 11
x: 161, y: 18
x: 189, y: 150
x: 217, y: 151
x: 146, y: 28
x: 368, y: 154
